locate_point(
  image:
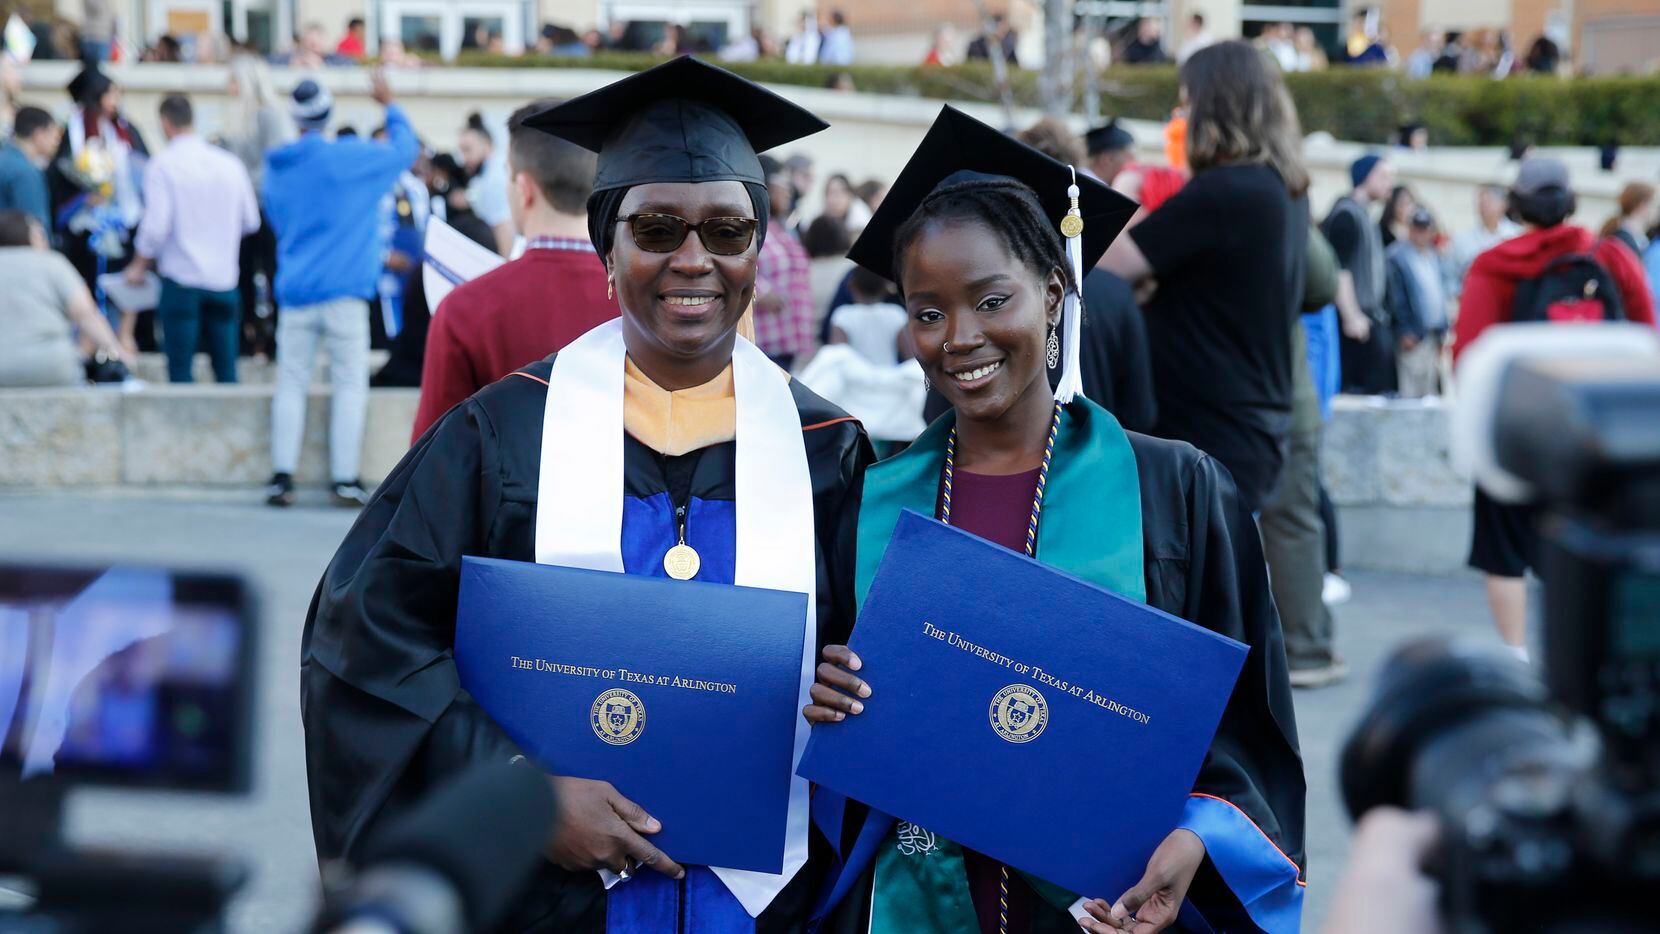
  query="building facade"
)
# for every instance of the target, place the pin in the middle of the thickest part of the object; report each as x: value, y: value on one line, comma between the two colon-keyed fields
x: 438, y: 28
x: 1599, y: 36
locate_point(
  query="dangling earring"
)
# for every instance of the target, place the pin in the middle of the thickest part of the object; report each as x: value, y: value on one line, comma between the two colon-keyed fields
x: 927, y: 384
x: 610, y: 287
x: 1052, y: 348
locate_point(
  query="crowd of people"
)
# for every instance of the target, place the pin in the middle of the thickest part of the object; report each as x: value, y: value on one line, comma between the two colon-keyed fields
x: 825, y: 36
x: 1367, y: 44
x: 279, y: 234
x: 276, y: 236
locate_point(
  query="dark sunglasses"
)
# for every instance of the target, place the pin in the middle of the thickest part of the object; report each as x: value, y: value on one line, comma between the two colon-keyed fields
x: 663, y: 233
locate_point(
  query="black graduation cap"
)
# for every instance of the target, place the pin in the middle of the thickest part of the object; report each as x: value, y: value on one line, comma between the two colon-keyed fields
x: 682, y: 121
x: 958, y: 143
x: 1108, y: 137
x: 89, y: 85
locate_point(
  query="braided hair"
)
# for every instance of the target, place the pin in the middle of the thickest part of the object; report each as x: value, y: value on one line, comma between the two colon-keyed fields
x: 1007, y: 207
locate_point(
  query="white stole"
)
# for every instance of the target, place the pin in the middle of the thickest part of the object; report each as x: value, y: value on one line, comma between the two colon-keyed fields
x: 579, y: 516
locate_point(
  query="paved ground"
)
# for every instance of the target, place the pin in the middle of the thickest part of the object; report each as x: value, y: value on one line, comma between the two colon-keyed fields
x: 285, y: 552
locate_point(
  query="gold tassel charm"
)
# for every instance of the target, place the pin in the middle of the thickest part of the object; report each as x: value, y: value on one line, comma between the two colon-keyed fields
x: 1072, y: 225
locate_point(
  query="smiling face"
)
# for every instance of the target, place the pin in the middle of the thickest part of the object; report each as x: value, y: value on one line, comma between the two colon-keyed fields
x: 680, y: 310
x: 964, y: 288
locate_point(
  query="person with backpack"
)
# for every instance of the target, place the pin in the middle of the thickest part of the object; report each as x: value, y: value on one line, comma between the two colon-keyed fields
x: 1556, y: 272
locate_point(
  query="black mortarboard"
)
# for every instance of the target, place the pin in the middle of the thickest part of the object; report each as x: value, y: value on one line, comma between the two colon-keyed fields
x: 959, y: 148
x: 1109, y: 137
x: 682, y: 121
x: 958, y: 143
x: 89, y: 85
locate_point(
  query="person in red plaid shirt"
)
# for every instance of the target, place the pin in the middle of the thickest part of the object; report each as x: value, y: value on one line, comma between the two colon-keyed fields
x: 785, y: 328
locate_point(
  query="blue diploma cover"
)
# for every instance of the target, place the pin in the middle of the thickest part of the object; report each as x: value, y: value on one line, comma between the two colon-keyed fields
x: 1022, y: 712
x: 682, y: 694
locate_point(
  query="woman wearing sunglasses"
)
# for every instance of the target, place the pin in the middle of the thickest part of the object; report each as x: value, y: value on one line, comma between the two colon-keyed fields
x: 728, y: 472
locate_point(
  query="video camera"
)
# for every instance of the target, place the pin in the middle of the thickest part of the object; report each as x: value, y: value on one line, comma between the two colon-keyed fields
x: 125, y: 676
x: 1548, y: 792
x: 144, y: 677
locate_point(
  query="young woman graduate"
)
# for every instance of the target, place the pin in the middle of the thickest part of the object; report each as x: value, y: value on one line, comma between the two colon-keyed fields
x: 969, y: 233
x: 662, y: 431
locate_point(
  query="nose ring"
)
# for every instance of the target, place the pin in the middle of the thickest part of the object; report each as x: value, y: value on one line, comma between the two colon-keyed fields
x: 945, y: 347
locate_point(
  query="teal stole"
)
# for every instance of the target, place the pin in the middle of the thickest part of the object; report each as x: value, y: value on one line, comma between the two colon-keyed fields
x: 1090, y: 527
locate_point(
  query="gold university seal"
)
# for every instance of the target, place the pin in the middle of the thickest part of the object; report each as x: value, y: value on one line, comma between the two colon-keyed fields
x: 618, y: 717
x: 1019, y: 713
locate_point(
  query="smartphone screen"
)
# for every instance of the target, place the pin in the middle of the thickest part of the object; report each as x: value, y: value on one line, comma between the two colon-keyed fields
x: 125, y: 676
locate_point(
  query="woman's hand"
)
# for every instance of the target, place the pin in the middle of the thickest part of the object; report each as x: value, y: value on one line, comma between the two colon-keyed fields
x: 1151, y: 904
x: 834, y: 691
x: 598, y: 827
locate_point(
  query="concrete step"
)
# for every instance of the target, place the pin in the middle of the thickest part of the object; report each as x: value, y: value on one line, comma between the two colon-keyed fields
x: 152, y: 368
x: 1403, y: 506
x: 206, y: 435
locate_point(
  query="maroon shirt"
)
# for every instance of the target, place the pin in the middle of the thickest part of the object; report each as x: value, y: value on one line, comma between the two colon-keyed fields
x: 998, y: 509
x: 512, y: 315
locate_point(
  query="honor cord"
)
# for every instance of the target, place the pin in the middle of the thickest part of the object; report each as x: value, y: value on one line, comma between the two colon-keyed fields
x: 1031, y: 552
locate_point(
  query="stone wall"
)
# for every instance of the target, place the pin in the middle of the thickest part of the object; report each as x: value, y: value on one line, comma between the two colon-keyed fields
x: 201, y: 436
x: 259, y: 370
x: 1402, y: 505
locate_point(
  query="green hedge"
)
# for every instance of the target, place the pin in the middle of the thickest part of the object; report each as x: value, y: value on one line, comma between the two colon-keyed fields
x: 1363, y: 105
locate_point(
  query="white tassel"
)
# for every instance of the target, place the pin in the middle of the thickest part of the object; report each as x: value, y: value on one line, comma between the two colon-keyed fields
x: 1072, y: 316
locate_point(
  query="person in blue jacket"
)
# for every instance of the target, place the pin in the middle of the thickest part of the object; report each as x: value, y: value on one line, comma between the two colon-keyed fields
x: 322, y: 197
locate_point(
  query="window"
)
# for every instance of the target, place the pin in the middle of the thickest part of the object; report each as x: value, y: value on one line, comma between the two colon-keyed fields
x: 481, y: 32
x: 446, y: 27
x: 421, y: 33
x: 711, y: 22
x: 253, y: 22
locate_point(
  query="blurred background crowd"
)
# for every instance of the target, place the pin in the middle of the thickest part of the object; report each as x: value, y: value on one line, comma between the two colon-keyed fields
x: 1417, y: 39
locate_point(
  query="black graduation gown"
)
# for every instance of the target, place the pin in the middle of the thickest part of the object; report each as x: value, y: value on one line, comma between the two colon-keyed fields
x: 385, y: 718
x: 1112, y: 354
x: 62, y: 188
x: 1204, y: 563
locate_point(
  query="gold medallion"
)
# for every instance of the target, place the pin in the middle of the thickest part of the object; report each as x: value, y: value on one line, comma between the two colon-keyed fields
x: 618, y: 717
x: 1072, y: 225
x: 682, y: 562
x: 1019, y: 713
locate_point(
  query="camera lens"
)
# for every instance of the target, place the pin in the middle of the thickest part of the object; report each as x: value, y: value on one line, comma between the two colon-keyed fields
x: 1443, y: 713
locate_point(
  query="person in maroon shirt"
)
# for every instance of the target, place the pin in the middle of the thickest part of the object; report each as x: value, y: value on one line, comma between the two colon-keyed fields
x: 530, y: 307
